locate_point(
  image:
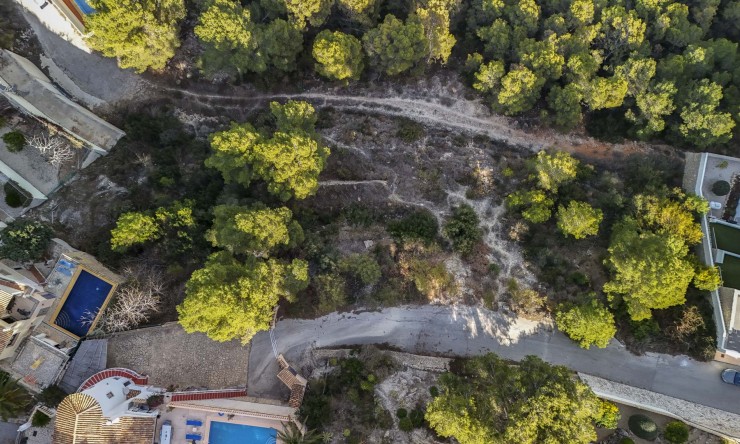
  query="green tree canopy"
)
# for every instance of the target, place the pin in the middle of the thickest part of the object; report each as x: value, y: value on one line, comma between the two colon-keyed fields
x: 435, y: 20
x: 553, y: 170
x: 520, y: 89
x: 650, y: 270
x: 229, y: 300
x: 133, y: 228
x: 174, y: 223
x: 494, y: 402
x: 707, y: 278
x: 304, y: 12
x: 462, y: 229
x: 590, y: 323
x: 579, y: 219
x: 141, y: 34
x: 395, y: 46
x: 536, y: 203
x: 290, y: 161
x: 24, y: 240
x: 338, y: 55
x: 256, y: 230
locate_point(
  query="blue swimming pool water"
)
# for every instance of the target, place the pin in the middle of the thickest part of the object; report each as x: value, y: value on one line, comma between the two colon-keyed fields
x: 228, y: 433
x: 87, y: 295
x: 84, y: 7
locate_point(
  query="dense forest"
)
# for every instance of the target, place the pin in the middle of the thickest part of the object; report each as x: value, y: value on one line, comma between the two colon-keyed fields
x: 645, y: 69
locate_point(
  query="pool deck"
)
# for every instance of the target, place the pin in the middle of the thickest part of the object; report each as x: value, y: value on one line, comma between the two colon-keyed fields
x: 178, y: 416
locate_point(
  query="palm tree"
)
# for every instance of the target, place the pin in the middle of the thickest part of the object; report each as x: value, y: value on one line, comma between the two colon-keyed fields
x: 14, y: 399
x: 292, y: 434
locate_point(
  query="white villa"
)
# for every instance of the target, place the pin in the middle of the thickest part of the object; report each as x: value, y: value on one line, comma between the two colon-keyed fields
x: 110, y: 408
x: 721, y: 241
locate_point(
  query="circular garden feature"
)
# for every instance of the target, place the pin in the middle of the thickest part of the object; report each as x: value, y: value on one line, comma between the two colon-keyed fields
x: 721, y: 188
x: 643, y: 427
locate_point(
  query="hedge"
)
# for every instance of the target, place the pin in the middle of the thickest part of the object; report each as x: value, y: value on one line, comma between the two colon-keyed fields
x: 721, y: 187
x: 676, y: 432
x: 643, y: 427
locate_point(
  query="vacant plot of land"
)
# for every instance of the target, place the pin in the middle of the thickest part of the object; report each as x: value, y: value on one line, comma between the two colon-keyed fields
x: 727, y: 238
x: 169, y: 356
x: 731, y: 272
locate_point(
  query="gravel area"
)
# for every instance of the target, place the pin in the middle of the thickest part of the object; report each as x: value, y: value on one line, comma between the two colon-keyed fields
x: 170, y: 356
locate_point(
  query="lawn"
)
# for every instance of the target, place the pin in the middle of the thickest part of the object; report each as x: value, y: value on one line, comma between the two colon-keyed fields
x: 731, y: 271
x: 727, y: 238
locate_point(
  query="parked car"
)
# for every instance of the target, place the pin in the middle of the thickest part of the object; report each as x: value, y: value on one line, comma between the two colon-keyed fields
x: 731, y: 376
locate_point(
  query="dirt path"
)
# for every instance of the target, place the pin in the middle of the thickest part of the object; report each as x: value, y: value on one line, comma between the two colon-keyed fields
x: 436, y: 106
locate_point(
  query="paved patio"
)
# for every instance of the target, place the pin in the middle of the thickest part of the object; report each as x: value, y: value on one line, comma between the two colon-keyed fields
x: 170, y: 356
x: 718, y: 168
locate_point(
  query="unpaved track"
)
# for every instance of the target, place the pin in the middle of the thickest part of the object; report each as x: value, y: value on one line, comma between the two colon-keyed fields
x: 434, y: 107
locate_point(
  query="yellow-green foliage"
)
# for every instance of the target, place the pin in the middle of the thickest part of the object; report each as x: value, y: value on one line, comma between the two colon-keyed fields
x: 229, y: 300
x: 553, y: 170
x: 141, y: 34
x: 707, y: 278
x: 499, y: 403
x: 257, y: 229
x: 395, y: 46
x: 579, y: 219
x: 590, y: 323
x: 338, y: 55
x: 290, y: 161
x: 650, y: 270
x: 133, y: 228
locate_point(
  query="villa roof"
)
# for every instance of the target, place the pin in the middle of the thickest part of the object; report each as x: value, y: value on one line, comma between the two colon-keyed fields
x: 80, y: 420
x: 5, y: 299
x: 33, y: 91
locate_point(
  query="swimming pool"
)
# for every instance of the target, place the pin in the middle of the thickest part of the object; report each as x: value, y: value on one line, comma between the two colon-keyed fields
x: 84, y: 7
x: 228, y: 433
x: 87, y: 295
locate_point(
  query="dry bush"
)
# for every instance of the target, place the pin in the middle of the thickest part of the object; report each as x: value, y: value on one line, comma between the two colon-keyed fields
x: 56, y: 150
x: 136, y: 300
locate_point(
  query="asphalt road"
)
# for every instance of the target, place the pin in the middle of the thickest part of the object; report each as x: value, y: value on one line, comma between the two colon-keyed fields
x: 467, y: 331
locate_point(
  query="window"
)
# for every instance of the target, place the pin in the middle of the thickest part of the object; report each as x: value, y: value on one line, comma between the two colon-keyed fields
x: 12, y: 339
x: 109, y: 395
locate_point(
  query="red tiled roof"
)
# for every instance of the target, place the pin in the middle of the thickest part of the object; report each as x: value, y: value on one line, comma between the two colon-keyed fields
x: 109, y: 373
x: 209, y: 394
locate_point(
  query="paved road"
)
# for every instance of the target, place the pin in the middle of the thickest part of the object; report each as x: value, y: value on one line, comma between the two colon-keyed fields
x: 467, y: 331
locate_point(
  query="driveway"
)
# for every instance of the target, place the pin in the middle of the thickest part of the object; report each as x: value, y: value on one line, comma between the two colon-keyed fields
x: 469, y: 331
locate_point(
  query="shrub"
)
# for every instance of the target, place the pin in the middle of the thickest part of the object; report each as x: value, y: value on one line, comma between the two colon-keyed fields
x: 626, y: 441
x: 24, y: 240
x: 409, y: 131
x: 643, y: 427
x: 417, y: 417
x: 462, y: 229
x: 676, y: 432
x: 405, y: 424
x: 40, y: 419
x: 608, y: 415
x: 154, y: 401
x: 3, y: 121
x: 434, y: 391
x: 13, y: 197
x: 721, y: 188
x: 362, y: 266
x: 421, y: 225
x: 401, y: 413
x: 15, y: 141
x: 331, y: 290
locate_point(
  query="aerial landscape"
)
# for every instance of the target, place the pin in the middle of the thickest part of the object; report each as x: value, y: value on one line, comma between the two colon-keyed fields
x: 369, y: 221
